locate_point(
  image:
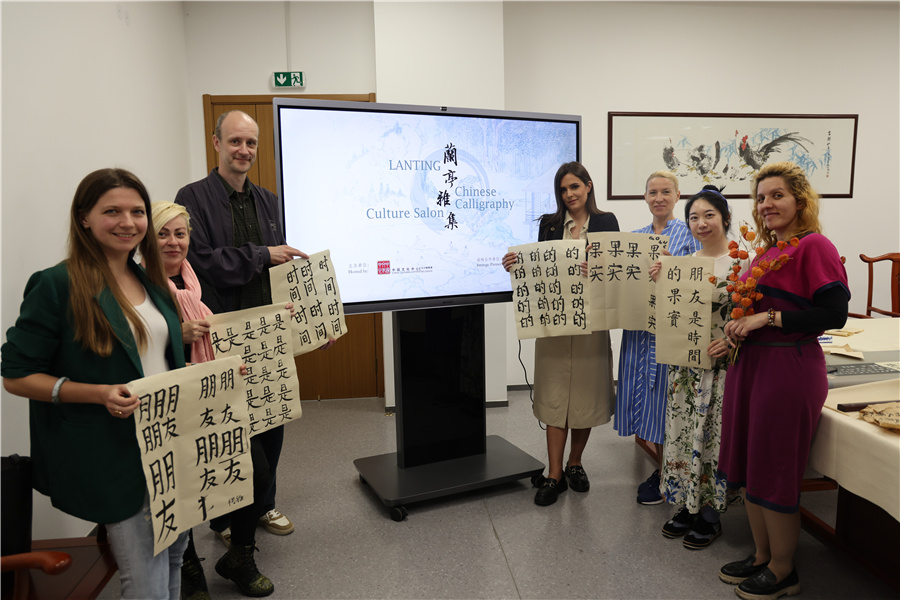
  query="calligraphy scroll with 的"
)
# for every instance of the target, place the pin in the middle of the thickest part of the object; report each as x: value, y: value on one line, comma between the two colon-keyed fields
x: 549, y: 292
x: 261, y: 338
x: 193, y: 432
x: 684, y: 297
x: 318, y: 311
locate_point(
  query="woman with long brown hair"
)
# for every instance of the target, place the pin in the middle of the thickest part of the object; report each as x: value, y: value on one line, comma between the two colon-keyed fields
x: 573, y: 382
x: 86, y: 327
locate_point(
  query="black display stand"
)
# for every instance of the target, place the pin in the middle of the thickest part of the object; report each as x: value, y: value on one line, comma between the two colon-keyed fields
x: 442, y: 448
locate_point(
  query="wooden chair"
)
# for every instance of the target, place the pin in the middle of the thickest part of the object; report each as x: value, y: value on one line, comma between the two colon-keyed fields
x: 62, y: 568
x: 894, y: 257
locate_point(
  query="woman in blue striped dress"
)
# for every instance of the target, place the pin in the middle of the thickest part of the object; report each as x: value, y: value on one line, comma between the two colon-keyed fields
x: 641, y: 393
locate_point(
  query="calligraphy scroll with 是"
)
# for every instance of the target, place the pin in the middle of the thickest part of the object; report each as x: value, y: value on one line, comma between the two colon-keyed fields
x: 684, y: 297
x: 318, y: 311
x: 261, y: 338
x: 192, y: 428
x: 621, y: 291
x: 549, y: 293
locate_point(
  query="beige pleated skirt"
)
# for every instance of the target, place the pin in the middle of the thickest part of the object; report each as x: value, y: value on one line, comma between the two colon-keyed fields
x: 573, y: 381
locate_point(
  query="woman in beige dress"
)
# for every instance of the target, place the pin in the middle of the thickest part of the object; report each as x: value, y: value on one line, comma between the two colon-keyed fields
x: 573, y: 386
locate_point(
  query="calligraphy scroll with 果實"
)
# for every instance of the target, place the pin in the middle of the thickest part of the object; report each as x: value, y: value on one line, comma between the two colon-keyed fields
x: 549, y: 292
x: 621, y: 291
x: 192, y: 428
x: 261, y: 338
x: 318, y: 311
x: 684, y: 297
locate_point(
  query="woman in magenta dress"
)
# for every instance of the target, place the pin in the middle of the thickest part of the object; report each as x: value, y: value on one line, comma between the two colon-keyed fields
x: 775, y: 393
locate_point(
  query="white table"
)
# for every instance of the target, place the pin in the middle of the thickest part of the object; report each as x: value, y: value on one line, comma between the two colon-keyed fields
x: 863, y: 458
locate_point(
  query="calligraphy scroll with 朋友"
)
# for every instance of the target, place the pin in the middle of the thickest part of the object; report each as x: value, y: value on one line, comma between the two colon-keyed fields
x: 192, y: 428
x: 684, y: 297
x: 310, y: 284
x: 549, y: 291
x: 261, y: 338
x: 620, y: 289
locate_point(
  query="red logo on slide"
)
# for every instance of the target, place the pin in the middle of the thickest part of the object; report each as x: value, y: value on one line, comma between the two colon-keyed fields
x: 384, y: 267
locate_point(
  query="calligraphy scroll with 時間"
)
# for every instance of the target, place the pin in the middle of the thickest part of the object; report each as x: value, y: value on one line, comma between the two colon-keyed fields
x: 684, y: 297
x: 318, y: 311
x: 192, y: 428
x: 549, y: 292
x: 621, y: 291
x: 261, y: 338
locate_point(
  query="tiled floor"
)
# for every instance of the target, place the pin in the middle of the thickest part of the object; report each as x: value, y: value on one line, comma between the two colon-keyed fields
x: 494, y: 543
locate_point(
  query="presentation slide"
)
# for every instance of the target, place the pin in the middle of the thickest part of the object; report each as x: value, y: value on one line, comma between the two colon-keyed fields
x: 417, y: 205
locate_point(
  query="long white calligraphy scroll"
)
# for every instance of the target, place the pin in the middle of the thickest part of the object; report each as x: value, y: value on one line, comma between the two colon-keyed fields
x: 684, y: 297
x: 261, y: 337
x: 193, y: 431
x: 312, y: 286
x: 621, y: 291
x: 549, y: 293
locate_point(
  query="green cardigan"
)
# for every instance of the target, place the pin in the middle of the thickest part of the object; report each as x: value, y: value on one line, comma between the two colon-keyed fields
x: 86, y: 460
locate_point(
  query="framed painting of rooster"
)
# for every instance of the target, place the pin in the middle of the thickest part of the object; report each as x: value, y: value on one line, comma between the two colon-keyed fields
x: 726, y: 149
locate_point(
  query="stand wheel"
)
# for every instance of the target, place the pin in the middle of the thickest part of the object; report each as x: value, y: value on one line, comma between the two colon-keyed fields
x: 363, y: 479
x: 398, y: 513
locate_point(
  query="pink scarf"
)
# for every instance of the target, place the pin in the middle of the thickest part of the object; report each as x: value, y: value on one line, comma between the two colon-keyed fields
x: 193, y: 309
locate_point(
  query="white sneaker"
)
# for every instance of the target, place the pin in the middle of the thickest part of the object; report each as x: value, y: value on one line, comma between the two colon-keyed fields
x: 276, y: 523
x: 224, y: 536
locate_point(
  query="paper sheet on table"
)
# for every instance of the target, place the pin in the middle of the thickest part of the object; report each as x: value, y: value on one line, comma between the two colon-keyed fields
x: 844, y: 350
x: 845, y: 332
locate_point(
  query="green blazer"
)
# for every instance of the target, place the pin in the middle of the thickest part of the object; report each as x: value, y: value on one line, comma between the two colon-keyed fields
x: 86, y: 460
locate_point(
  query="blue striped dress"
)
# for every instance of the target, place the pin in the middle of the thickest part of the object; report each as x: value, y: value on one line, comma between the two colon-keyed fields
x: 641, y: 392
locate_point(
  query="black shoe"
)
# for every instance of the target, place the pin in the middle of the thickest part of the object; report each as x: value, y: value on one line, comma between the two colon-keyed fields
x: 577, y: 478
x: 680, y: 524
x: 550, y: 490
x: 239, y: 566
x: 702, y: 534
x: 652, y: 481
x: 193, y: 581
x: 648, y: 492
x: 762, y: 586
x: 739, y: 570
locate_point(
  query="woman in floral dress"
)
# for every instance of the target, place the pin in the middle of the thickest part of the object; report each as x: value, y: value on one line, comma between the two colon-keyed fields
x: 694, y: 403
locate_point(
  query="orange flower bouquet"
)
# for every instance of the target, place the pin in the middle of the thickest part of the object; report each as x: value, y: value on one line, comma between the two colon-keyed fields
x: 744, y: 293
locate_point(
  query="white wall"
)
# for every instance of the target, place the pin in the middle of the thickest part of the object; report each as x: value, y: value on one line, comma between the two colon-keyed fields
x: 234, y: 47
x: 85, y: 86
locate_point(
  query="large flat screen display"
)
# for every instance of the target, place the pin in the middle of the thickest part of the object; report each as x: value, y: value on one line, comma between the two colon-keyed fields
x: 416, y: 203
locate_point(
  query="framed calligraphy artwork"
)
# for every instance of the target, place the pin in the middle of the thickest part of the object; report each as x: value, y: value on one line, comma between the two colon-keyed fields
x: 726, y: 149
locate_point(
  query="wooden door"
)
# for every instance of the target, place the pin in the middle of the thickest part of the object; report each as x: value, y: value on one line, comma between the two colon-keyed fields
x: 354, y: 366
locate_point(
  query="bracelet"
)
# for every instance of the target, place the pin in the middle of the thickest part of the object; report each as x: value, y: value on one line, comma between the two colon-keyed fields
x: 771, y: 322
x: 54, y: 395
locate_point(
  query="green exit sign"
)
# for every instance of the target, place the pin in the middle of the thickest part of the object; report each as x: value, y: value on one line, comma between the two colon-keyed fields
x: 288, y: 79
